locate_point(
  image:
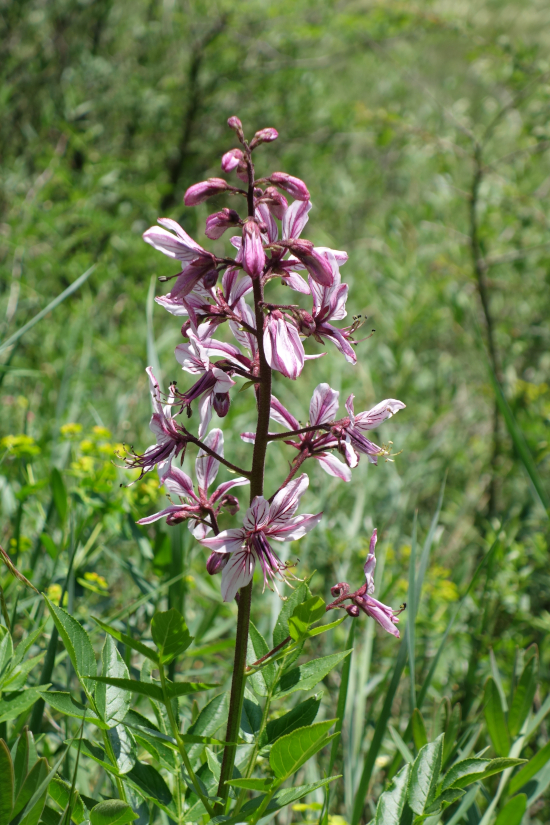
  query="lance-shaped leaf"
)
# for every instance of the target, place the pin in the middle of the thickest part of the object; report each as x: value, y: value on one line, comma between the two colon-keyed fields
x: 392, y: 802
x: 301, y: 715
x: 77, y: 643
x: 424, y: 776
x: 420, y: 737
x: 60, y: 791
x: 281, y: 630
x: 304, y: 615
x: 124, y: 748
x: 257, y: 647
x: 112, y: 702
x: 280, y: 800
x: 170, y: 634
x: 112, y: 812
x: 14, y: 704
x: 495, y: 719
x: 7, y: 784
x: 132, y: 643
x: 34, y: 778
x: 473, y: 770
x: 443, y: 801
x: 529, y: 770
x: 291, y: 751
x: 251, y: 784
x: 513, y: 811
x: 306, y: 676
x: 153, y: 690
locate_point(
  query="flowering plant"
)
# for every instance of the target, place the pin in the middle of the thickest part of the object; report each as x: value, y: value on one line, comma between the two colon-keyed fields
x: 269, y: 338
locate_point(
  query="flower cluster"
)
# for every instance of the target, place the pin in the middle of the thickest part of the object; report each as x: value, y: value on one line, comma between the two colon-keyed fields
x: 209, y: 290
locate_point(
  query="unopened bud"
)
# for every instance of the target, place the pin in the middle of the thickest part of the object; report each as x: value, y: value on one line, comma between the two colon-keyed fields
x: 318, y: 266
x: 210, y: 279
x: 216, y: 562
x: 231, y: 504
x: 253, y: 251
x: 339, y: 589
x: 232, y: 159
x: 234, y: 123
x: 352, y: 610
x: 221, y: 402
x: 264, y: 136
x: 294, y: 186
x: 200, y: 192
x: 217, y: 223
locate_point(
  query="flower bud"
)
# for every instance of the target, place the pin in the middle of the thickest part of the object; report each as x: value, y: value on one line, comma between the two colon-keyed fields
x: 217, y: 223
x: 234, y: 123
x: 216, y: 562
x: 221, y: 402
x: 339, y: 589
x: 210, y: 279
x: 253, y: 251
x: 352, y: 610
x: 264, y: 136
x: 200, y: 192
x: 317, y: 265
x: 294, y: 186
x: 232, y: 159
x: 276, y: 203
x: 231, y: 504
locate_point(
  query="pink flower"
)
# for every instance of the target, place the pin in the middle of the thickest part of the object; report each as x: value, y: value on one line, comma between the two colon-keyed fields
x: 198, y: 264
x: 198, y: 506
x: 212, y: 388
x: 170, y: 440
x: 329, y: 304
x: 381, y: 613
x: 264, y: 136
x: 276, y: 203
x: 294, y: 186
x: 253, y: 252
x: 232, y: 159
x: 354, y: 440
x: 283, y: 347
x: 200, y: 192
x: 249, y: 544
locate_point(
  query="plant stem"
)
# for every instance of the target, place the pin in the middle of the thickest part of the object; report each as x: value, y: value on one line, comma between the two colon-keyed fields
x: 263, y: 395
x: 180, y: 743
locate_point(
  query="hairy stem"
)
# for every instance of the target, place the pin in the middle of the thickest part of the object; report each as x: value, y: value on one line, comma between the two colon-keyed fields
x: 256, y: 476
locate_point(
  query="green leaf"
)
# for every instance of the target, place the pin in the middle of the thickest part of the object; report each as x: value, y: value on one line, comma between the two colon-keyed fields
x: 60, y: 791
x: 496, y: 721
x: 50, y: 546
x: 6, y: 652
x: 424, y: 775
x: 134, y: 644
x: 474, y: 770
x: 284, y: 797
x: 149, y: 781
x: 420, y: 737
x: 301, y: 715
x: 251, y: 784
x: 15, y: 704
x: 209, y: 720
x: 24, y: 757
x: 97, y: 753
x: 7, y: 784
x: 306, y: 676
x: 513, y: 811
x: 77, y: 643
x: 304, y: 615
x: 153, y: 690
x: 316, y: 631
x: 529, y: 770
x: 65, y: 704
x: 392, y: 802
x: 444, y: 799
x: 257, y: 647
x: 112, y: 702
x: 59, y: 494
x: 524, y: 695
x: 170, y: 634
x: 291, y: 751
x: 281, y: 630
x: 112, y: 812
x: 36, y: 775
x: 124, y: 748
x: 251, y: 717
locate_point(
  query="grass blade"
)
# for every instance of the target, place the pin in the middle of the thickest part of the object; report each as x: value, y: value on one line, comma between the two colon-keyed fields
x: 411, y: 613
x: 52, y: 305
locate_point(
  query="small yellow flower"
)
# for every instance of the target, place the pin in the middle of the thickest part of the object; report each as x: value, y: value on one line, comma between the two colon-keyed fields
x: 101, y: 432
x: 53, y: 592
x: 70, y: 430
x: 19, y: 445
x: 86, y: 446
x: 105, y: 447
x: 84, y: 465
x: 95, y: 578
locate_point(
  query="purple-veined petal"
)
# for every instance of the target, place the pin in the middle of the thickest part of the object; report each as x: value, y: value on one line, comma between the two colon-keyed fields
x: 295, y: 218
x: 324, y: 404
x: 381, y: 613
x: 257, y: 514
x: 190, y: 359
x: 264, y: 215
x: 186, y: 282
x: 155, y: 392
x: 286, y: 502
x: 206, y: 467
x: 183, y: 247
x: 373, y: 418
x: 178, y: 483
x: 281, y: 415
x: 352, y: 459
x: 349, y: 407
x: 295, y: 281
x: 205, y: 412
x: 175, y: 508
x: 334, y: 467
x: 223, y: 381
x: 294, y: 186
x: 237, y: 573
x: 283, y: 348
x: 336, y: 337
x: 253, y: 251
x: 228, y: 485
x: 295, y: 528
x: 228, y: 541
x: 198, y: 529
x: 370, y: 564
x: 200, y: 192
x: 340, y: 256
x: 248, y: 438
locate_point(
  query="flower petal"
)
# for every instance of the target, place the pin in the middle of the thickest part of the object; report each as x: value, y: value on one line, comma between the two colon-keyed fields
x: 280, y: 414
x: 206, y: 467
x: 334, y: 467
x: 237, y: 573
x: 295, y: 218
x: 324, y: 404
x: 178, y: 483
x: 373, y: 418
x: 228, y: 541
x: 257, y: 514
x: 228, y: 485
x: 295, y: 528
x: 286, y: 502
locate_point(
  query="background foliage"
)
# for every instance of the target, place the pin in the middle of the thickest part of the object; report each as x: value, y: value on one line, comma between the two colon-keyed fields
x: 422, y: 133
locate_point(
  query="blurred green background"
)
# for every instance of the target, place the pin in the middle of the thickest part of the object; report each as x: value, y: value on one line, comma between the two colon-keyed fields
x: 422, y: 131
